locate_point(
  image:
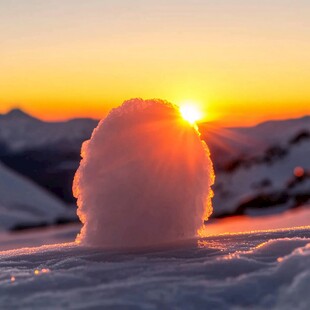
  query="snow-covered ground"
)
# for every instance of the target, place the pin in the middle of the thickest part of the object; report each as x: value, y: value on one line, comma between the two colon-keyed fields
x: 266, y: 269
x: 287, y: 220
x: 38, y: 236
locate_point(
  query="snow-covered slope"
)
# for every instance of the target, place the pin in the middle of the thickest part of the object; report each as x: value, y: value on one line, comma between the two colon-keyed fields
x: 283, y: 180
x: 270, y: 133
x: 240, y: 142
x: 274, y: 132
x: 23, y: 203
x: 266, y: 168
x: 48, y: 153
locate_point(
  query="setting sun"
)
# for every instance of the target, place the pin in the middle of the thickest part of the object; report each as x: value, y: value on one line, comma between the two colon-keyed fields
x: 190, y: 113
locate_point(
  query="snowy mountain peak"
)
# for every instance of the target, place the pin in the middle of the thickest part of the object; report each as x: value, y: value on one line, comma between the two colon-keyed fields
x: 17, y: 114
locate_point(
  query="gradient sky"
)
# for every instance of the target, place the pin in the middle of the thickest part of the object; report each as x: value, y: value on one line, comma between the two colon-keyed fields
x: 242, y: 61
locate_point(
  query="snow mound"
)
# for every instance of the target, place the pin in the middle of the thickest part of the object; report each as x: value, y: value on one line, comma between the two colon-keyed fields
x: 144, y: 179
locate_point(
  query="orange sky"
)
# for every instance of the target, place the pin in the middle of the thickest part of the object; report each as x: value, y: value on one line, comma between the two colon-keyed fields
x: 240, y: 61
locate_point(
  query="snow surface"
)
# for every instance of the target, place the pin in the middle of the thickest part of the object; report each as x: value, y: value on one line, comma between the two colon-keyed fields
x: 266, y: 270
x: 25, y: 203
x: 289, y: 219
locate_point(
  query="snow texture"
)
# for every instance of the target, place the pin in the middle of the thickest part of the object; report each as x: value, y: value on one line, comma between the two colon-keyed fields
x: 267, y: 270
x: 145, y: 178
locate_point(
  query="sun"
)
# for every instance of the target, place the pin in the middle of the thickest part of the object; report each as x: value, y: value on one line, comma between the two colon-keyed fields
x: 190, y: 113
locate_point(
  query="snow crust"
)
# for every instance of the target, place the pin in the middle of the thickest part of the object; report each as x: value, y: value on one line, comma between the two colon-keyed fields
x: 267, y: 270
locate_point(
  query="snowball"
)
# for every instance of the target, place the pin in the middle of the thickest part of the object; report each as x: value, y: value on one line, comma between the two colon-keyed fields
x: 145, y: 178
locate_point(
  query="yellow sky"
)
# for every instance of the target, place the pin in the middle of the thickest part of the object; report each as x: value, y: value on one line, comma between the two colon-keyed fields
x: 240, y: 61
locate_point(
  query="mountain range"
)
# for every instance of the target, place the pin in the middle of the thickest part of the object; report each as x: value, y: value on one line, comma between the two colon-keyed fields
x: 259, y: 169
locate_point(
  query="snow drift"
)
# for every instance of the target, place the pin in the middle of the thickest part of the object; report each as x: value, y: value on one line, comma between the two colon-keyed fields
x: 145, y: 178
